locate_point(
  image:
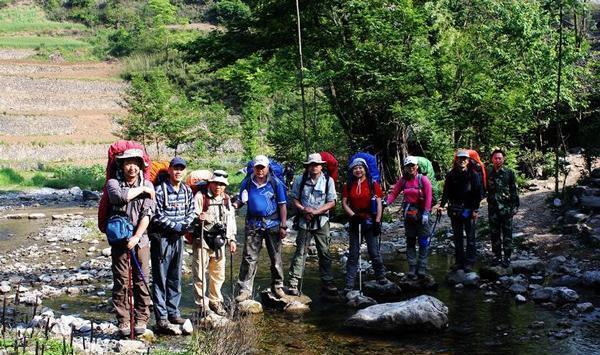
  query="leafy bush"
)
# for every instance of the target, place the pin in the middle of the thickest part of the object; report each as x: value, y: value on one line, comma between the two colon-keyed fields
x: 10, y: 177
x: 91, y: 177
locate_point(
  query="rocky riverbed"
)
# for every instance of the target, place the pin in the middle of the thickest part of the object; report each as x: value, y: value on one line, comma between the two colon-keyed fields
x: 68, y: 260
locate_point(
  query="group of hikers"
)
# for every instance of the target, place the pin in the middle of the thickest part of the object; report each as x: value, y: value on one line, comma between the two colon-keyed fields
x: 162, y: 216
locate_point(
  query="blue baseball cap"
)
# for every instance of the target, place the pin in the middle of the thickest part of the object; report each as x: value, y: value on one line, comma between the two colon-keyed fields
x: 178, y: 161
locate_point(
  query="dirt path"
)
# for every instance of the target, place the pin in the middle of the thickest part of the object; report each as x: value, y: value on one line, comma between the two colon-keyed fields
x: 56, y: 112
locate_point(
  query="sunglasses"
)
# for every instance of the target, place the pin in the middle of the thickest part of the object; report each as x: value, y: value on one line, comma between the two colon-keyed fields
x: 225, y: 175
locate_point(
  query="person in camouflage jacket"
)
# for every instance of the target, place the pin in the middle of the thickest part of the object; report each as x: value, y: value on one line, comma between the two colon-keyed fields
x: 503, y: 202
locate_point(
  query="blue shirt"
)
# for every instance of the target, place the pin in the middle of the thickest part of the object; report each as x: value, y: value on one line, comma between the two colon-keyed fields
x: 263, y: 201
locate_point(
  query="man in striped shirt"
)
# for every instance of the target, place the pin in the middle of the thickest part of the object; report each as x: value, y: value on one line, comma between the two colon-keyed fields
x: 174, y: 215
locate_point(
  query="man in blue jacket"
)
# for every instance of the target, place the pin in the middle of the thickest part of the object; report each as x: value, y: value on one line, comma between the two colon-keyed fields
x: 265, y: 219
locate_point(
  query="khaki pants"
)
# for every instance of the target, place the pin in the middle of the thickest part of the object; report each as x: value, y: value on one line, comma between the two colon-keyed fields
x: 120, y: 293
x: 215, y: 268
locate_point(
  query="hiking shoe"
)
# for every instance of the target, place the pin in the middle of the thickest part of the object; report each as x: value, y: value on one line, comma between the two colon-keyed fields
x: 124, y: 330
x: 242, y: 296
x: 163, y: 326
x: 347, y: 290
x: 278, y: 292
x: 293, y: 291
x: 411, y: 275
x: 140, y: 328
x: 218, y: 308
x: 177, y: 320
x: 329, y: 287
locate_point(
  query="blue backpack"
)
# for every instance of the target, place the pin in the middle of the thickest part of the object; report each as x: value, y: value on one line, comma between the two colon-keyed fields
x: 275, y: 170
x: 371, y: 164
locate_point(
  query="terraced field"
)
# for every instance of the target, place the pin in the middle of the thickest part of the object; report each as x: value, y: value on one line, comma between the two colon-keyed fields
x: 52, y: 110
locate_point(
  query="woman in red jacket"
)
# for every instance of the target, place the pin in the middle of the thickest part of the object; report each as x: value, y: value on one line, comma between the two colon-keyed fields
x: 361, y: 200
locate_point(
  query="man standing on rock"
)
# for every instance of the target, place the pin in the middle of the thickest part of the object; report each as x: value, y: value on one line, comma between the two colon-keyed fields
x: 314, y: 195
x: 174, y: 214
x: 503, y: 202
x: 265, y: 219
x: 462, y: 192
x: 217, y: 218
x: 132, y: 196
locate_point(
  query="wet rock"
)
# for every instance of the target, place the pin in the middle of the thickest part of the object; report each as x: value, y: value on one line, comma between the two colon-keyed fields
x: 357, y: 300
x: 250, y: 307
x: 296, y: 307
x: 517, y: 288
x: 106, y: 252
x: 213, y: 320
x: 36, y: 216
x: 5, y: 287
x: 16, y: 216
x: 567, y: 281
x: 269, y: 300
x: 187, y: 327
x: 537, y: 325
x: 584, y: 307
x: 130, y: 346
x: 421, y: 283
x: 527, y: 266
x: 460, y: 277
x: 373, y: 288
x: 592, y: 279
x: 416, y: 314
x: 494, y: 272
x: 590, y: 201
x: 558, y: 295
x: 520, y: 299
x: 536, y: 279
x: 88, y: 195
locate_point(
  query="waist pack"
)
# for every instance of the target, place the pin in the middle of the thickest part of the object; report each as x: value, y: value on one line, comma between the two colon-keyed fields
x: 459, y: 212
x: 118, y: 229
x: 412, y: 214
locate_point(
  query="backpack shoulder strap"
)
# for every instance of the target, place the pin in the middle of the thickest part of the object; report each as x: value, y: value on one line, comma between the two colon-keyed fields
x: 205, y: 202
x: 166, y: 197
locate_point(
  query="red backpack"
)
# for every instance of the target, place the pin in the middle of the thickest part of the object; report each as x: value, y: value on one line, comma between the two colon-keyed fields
x: 477, y: 166
x: 331, y: 164
x: 115, y: 149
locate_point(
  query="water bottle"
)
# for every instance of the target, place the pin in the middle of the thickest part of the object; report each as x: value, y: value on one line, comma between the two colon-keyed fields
x: 423, y: 241
x: 373, y: 205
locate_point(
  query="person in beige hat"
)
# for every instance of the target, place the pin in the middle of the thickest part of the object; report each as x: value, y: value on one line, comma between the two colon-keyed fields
x: 314, y: 195
x: 217, y: 218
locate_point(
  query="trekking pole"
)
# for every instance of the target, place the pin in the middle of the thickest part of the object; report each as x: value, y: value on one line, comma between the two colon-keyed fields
x: 304, y: 251
x: 231, y: 273
x: 143, y: 277
x: 130, y: 291
x: 437, y: 219
x: 203, y: 274
x: 359, y: 258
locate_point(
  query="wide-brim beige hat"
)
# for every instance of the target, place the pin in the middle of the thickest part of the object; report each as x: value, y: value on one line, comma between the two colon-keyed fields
x: 219, y: 176
x: 314, y: 158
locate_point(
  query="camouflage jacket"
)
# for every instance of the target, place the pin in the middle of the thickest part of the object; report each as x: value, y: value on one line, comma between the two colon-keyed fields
x: 502, y: 194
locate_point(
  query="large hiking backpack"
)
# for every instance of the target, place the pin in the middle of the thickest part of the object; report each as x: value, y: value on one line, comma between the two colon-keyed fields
x: 331, y: 165
x: 371, y: 164
x: 115, y: 149
x: 275, y: 169
x: 198, y: 179
x: 477, y: 166
x: 426, y: 168
x: 158, y: 172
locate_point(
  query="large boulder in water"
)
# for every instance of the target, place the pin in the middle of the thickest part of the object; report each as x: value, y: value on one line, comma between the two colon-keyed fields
x: 592, y: 279
x: 270, y: 300
x: 416, y: 314
x: 461, y: 277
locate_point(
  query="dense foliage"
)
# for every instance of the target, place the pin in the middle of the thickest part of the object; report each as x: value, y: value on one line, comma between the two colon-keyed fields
x: 394, y: 77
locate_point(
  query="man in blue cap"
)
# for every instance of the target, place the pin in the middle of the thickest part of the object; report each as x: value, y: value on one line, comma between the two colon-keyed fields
x: 174, y: 214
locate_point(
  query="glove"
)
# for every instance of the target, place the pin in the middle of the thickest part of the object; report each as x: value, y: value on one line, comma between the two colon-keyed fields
x: 356, y: 218
x: 425, y: 218
x: 376, y: 229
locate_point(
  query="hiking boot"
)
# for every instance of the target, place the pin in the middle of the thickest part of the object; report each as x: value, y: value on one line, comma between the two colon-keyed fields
x: 124, y: 330
x: 278, y: 292
x: 412, y: 272
x: 293, y: 291
x: 242, y: 296
x: 140, y: 328
x: 382, y: 280
x: 329, y: 287
x: 218, y: 308
x: 163, y: 326
x: 177, y: 320
x: 347, y: 290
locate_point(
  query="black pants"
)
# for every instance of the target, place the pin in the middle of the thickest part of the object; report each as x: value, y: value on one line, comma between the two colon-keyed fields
x: 463, y: 227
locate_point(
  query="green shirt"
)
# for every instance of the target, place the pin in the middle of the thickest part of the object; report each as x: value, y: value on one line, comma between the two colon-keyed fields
x: 502, y: 194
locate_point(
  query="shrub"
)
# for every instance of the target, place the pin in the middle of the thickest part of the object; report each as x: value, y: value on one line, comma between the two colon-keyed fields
x: 10, y: 177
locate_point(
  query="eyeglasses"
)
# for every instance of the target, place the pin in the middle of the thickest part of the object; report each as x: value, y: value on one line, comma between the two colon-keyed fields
x: 220, y: 174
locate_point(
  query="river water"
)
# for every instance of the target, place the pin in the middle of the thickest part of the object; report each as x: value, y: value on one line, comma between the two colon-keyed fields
x: 478, y: 324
